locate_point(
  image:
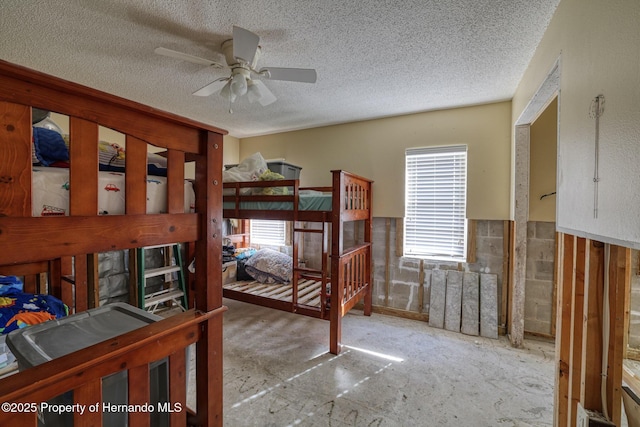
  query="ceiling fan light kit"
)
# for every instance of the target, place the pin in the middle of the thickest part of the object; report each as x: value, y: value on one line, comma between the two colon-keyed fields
x: 241, y: 55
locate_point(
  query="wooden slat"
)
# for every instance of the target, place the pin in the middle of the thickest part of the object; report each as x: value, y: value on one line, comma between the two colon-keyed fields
x: 563, y: 338
x: 83, y: 195
x: 83, y: 175
x: 32, y: 268
x: 575, y: 358
x: 136, y: 177
x: 55, y: 281
x: 619, y: 284
x: 178, y: 388
x: 139, y: 394
x: 81, y: 267
x: 175, y: 181
x: 592, y: 329
x: 35, y: 239
x: 15, y: 167
x: 88, y: 394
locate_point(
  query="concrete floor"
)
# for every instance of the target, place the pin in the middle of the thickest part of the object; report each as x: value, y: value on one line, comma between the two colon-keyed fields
x: 392, y: 372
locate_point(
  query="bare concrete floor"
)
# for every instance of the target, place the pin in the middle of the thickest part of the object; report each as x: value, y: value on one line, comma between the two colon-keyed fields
x: 391, y: 372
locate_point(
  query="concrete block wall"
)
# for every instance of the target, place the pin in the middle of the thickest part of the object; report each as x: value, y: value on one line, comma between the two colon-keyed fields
x: 404, y: 272
x: 540, y: 305
x: 396, y: 285
x: 634, y: 317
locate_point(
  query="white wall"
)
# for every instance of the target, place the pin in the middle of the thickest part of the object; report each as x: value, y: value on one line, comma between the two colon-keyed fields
x: 598, y: 45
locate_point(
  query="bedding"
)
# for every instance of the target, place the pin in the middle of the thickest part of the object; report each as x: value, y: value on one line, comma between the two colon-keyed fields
x: 270, y: 266
x: 50, y: 193
x: 308, y: 200
x: 19, y: 309
x: 50, y: 148
x: 253, y: 168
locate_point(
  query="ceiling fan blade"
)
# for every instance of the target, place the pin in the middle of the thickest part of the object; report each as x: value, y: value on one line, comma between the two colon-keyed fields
x: 261, y: 93
x: 305, y: 75
x: 212, y: 87
x: 245, y: 44
x: 186, y: 57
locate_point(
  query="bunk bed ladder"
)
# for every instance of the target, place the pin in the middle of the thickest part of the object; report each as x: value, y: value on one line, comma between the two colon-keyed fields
x: 320, y: 275
x: 176, y: 292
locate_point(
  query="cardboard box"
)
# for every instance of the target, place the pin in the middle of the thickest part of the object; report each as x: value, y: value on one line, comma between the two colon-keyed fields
x: 229, y: 271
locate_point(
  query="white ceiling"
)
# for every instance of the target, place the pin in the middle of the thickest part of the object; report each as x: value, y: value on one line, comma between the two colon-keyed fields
x: 373, y: 58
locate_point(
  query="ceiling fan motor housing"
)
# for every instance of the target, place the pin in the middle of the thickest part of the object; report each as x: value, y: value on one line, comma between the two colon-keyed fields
x: 233, y: 62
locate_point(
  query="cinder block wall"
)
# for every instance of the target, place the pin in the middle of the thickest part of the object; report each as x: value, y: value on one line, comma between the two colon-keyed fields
x: 396, y: 279
x: 539, y: 302
x: 396, y: 283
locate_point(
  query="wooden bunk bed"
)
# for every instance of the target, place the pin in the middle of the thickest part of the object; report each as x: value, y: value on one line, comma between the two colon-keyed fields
x: 332, y: 290
x: 38, y: 248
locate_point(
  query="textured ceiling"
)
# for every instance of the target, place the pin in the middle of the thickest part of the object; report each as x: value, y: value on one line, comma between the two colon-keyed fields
x: 373, y: 58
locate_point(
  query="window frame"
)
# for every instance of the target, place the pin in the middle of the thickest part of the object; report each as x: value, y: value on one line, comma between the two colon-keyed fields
x: 448, y: 210
x: 263, y: 238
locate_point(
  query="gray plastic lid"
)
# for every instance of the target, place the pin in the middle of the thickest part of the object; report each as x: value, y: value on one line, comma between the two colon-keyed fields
x: 46, y: 341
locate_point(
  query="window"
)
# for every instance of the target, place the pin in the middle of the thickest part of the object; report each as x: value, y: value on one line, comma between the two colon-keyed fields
x: 268, y: 232
x: 435, y: 202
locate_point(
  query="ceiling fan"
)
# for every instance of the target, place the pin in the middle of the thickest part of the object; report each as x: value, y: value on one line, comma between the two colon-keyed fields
x: 241, y: 55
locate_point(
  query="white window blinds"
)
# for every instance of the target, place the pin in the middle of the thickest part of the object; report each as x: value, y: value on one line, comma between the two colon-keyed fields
x: 435, y: 202
x: 268, y: 232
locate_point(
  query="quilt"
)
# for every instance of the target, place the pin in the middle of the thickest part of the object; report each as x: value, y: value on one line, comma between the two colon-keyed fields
x: 19, y: 309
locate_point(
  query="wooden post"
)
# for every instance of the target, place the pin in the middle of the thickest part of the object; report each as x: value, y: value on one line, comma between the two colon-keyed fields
x: 575, y: 352
x: 387, y: 258
x: 563, y: 337
x: 208, y: 280
x: 83, y: 201
x: 619, y: 284
x: 591, y: 360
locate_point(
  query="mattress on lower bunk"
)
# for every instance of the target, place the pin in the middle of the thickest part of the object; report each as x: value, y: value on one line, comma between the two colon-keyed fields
x: 313, y: 201
x: 50, y: 193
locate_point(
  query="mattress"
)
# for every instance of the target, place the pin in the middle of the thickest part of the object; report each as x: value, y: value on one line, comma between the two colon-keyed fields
x: 306, y: 202
x: 50, y: 193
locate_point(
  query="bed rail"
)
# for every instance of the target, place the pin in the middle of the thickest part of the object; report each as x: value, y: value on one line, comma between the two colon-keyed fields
x: 26, y: 393
x: 355, y: 276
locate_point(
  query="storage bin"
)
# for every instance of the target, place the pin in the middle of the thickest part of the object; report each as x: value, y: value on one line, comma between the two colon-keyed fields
x: 229, y: 271
x: 41, y: 343
x: 7, y: 359
x: 285, y: 169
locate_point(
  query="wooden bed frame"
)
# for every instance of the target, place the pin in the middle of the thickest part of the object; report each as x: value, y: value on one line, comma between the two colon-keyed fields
x: 351, y: 199
x: 38, y: 248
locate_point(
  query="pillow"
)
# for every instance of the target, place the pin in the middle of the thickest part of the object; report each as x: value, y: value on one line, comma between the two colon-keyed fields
x: 48, y: 147
x: 111, y: 158
x: 270, y: 266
